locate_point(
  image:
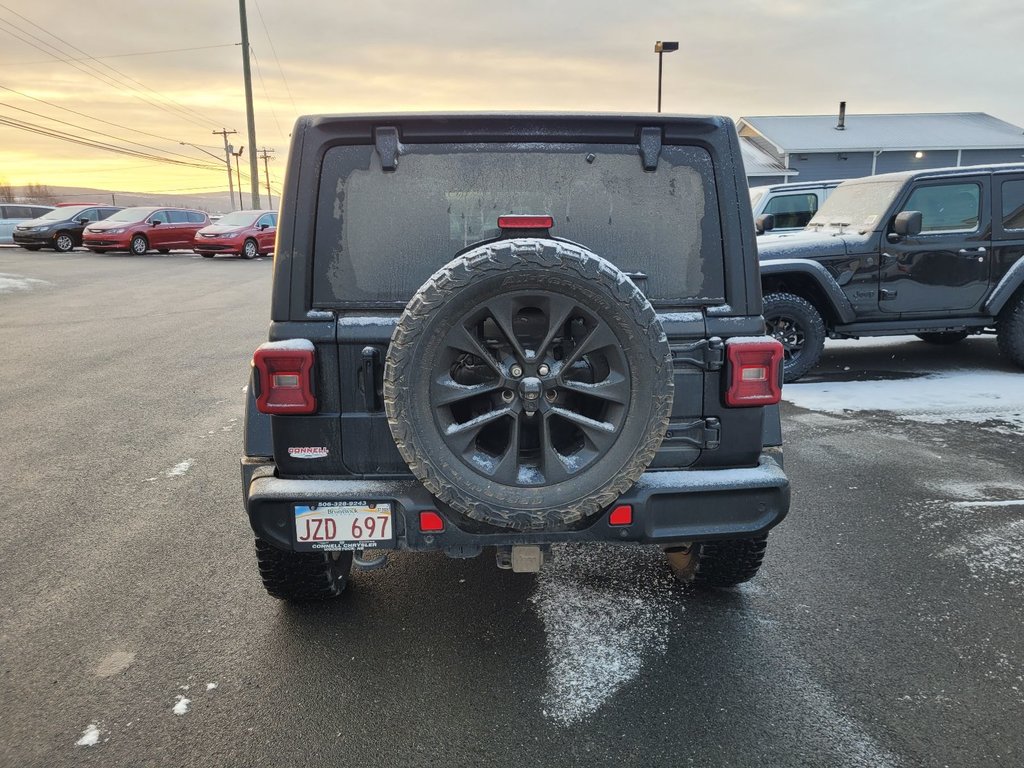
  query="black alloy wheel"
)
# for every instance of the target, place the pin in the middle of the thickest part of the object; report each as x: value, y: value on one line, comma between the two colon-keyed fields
x: 543, y: 403
x: 796, y: 324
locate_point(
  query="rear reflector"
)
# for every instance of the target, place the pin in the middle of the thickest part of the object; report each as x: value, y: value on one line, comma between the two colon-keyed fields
x: 754, y: 372
x: 284, y: 377
x: 621, y: 515
x: 431, y: 522
x: 525, y: 222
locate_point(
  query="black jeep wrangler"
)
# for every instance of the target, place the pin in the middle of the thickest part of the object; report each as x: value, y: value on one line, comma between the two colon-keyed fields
x: 935, y: 253
x: 508, y: 331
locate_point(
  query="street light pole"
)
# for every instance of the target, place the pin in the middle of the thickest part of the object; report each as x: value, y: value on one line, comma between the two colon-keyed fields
x: 238, y: 170
x: 661, y: 48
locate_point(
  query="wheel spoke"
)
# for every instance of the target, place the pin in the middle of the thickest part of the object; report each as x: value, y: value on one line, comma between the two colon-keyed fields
x: 614, y: 388
x: 445, y: 390
x: 462, y: 338
x: 600, y: 336
x: 461, y: 436
x: 560, y: 308
x: 600, y: 433
x: 502, y: 309
x: 507, y: 469
x: 552, y: 466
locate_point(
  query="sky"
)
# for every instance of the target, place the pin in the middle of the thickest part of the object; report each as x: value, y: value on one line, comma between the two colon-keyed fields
x: 736, y: 58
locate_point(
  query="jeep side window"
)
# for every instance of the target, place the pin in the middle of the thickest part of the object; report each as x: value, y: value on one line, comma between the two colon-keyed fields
x: 946, y: 207
x: 792, y: 211
x: 1013, y: 204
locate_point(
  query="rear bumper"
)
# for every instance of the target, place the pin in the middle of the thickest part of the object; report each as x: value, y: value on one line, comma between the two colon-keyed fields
x: 669, y: 507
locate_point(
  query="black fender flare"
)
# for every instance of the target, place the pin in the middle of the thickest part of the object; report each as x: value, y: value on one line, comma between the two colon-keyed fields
x: 837, y: 300
x: 1005, y: 288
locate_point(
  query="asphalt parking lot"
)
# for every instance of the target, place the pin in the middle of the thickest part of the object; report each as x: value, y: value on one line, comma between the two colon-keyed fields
x: 884, y: 629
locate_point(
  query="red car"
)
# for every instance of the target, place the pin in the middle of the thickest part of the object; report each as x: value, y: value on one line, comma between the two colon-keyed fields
x: 245, y: 233
x: 138, y: 230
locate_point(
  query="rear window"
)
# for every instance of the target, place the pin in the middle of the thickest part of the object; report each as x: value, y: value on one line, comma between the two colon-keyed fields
x: 379, y: 235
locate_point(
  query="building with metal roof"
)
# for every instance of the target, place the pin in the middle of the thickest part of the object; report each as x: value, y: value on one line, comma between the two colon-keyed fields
x: 849, y: 146
x: 763, y: 168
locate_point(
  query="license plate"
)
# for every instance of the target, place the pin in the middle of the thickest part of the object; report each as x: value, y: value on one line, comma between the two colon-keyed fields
x: 342, y: 525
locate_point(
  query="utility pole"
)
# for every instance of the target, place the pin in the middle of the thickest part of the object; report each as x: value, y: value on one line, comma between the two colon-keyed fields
x: 112, y: 200
x: 227, y: 158
x: 238, y: 170
x: 250, y: 118
x: 265, y: 155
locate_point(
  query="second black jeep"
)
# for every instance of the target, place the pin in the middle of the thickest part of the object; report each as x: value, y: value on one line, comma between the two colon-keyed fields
x: 934, y: 253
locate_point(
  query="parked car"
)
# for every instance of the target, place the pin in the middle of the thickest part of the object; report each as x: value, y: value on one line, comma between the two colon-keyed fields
x: 242, y: 233
x: 61, y: 228
x: 935, y: 253
x: 790, y: 206
x: 500, y: 346
x: 138, y: 230
x: 12, y: 214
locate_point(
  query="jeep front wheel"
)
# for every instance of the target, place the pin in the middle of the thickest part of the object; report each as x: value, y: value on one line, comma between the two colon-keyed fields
x: 300, y: 577
x: 528, y: 384
x: 798, y: 326
x: 1010, y: 330
x: 724, y: 563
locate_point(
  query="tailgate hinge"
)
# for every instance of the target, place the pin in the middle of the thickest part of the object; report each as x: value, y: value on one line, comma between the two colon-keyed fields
x: 705, y: 434
x: 388, y: 146
x: 650, y: 147
x: 706, y: 354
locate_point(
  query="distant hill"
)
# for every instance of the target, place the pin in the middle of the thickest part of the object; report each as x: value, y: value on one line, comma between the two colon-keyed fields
x: 211, y: 202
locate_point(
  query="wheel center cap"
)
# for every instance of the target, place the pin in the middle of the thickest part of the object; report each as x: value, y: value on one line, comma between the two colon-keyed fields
x: 529, y: 390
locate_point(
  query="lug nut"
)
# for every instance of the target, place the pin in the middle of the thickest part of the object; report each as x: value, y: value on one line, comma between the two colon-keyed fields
x: 543, y: 370
x: 551, y: 395
x: 516, y: 371
x: 508, y: 395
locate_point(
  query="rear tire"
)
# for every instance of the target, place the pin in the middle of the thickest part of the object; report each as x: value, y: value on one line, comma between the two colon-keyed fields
x: 943, y: 338
x: 797, y: 324
x: 250, y: 250
x: 64, y: 243
x: 717, y: 564
x: 1010, y: 330
x: 302, y: 577
x: 139, y: 245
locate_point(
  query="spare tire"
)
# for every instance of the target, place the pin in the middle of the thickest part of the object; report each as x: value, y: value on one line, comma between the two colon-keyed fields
x: 528, y: 384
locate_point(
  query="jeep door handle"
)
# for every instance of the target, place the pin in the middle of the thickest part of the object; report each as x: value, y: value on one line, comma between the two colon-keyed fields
x: 972, y: 251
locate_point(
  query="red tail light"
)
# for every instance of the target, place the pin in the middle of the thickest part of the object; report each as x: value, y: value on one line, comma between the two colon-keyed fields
x: 430, y: 521
x: 621, y: 515
x: 525, y: 222
x: 284, y: 377
x: 753, y: 372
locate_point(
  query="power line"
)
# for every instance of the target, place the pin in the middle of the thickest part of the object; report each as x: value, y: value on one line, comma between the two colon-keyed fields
x: 92, y: 130
x: 182, y: 109
x: 87, y: 142
x: 123, y: 55
x: 270, y: 103
x: 273, y: 50
x: 89, y: 117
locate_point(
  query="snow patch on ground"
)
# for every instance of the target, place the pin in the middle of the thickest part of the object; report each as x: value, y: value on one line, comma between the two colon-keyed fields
x: 605, y: 612
x: 180, y: 468
x: 181, y: 705
x: 17, y: 283
x: 210, y: 686
x: 995, y: 552
x: 90, y: 736
x: 935, y: 399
